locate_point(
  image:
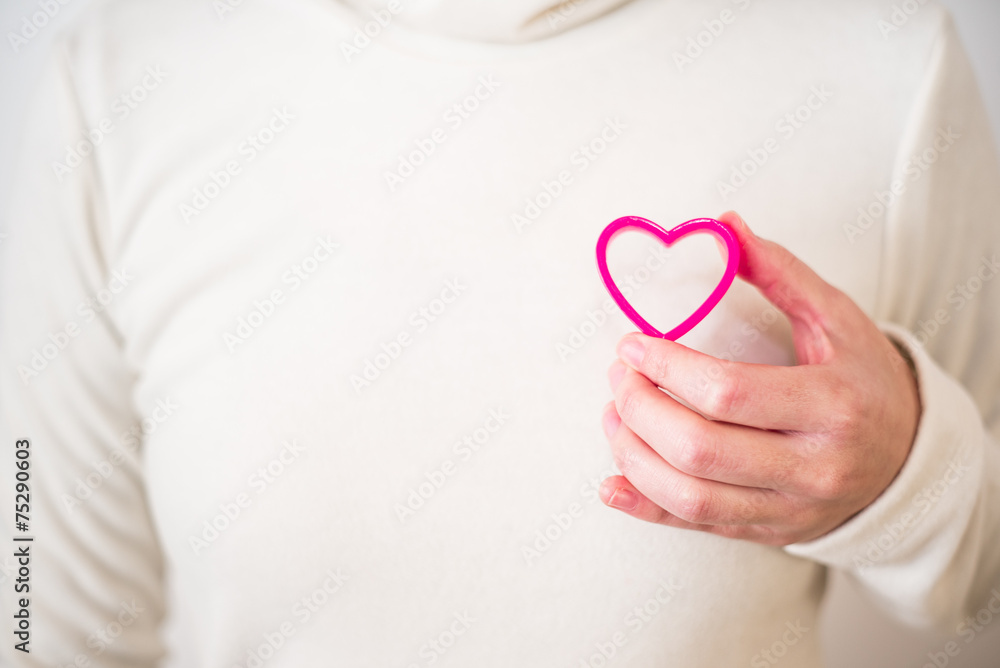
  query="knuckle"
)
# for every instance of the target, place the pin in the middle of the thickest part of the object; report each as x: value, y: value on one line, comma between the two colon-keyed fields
x: 845, y: 415
x: 812, y: 446
x: 830, y: 483
x: 785, y: 474
x: 693, y: 504
x: 758, y: 502
x: 846, y: 420
x: 721, y: 396
x: 695, y: 454
x: 629, y: 403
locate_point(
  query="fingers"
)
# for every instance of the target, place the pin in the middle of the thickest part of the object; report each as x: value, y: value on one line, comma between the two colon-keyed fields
x: 698, y: 447
x: 722, y: 446
x: 785, y: 280
x: 688, y: 498
x: 755, y: 395
x: 618, y: 493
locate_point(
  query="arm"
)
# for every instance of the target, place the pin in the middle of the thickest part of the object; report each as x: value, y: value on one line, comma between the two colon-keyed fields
x: 95, y: 596
x: 929, y: 548
x: 851, y: 458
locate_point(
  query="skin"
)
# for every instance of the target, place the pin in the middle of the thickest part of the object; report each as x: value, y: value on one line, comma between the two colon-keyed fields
x: 774, y: 455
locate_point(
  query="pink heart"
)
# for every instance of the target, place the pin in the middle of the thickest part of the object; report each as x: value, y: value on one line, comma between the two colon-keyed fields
x: 710, y: 225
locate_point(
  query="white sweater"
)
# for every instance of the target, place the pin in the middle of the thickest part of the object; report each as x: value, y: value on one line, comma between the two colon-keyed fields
x: 311, y: 350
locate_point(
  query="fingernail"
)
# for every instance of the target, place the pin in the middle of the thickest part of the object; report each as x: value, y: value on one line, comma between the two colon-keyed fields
x: 623, y: 499
x: 632, y: 352
x: 615, y: 374
x: 611, y: 421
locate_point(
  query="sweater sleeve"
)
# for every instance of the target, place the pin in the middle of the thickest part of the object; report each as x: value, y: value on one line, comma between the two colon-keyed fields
x: 928, y: 548
x: 95, y: 594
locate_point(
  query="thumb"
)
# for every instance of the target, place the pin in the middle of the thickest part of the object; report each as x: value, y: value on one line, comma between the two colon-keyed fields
x: 788, y: 283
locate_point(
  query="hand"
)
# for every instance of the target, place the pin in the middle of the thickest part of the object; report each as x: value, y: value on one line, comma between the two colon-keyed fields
x: 771, y: 454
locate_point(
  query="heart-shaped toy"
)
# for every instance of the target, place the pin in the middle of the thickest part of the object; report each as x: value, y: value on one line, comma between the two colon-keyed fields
x: 710, y: 225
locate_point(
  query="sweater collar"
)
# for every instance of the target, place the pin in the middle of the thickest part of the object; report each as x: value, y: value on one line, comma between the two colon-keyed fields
x: 491, y: 20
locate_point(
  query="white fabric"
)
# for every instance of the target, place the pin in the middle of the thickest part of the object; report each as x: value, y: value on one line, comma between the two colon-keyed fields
x: 177, y: 426
x: 509, y: 21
